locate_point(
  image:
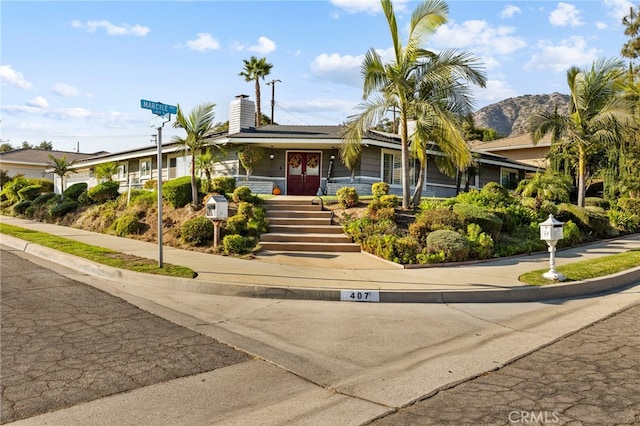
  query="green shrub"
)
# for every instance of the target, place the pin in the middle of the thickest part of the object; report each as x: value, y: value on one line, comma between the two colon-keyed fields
x: 379, y: 189
x: 363, y: 228
x: 596, y: 202
x: 624, y: 221
x: 242, y: 193
x: 177, y: 191
x: 29, y: 193
x: 152, y: 184
x: 258, y: 224
x: 144, y: 199
x: 347, y: 197
x: 439, y: 218
x: 480, y: 243
x: 385, y: 213
x: 46, y: 198
x: 104, y: 192
x: 493, y: 195
x: 223, y: 184
x: 84, y: 199
x: 454, y: 246
x: 66, y: 206
x: 11, y: 188
x: 235, y: 244
x: 74, y: 191
x: 430, y: 204
x: 630, y: 205
x: 20, y: 207
x: 588, y: 220
x: 197, y: 231
x: 515, y: 216
x: 46, y: 184
x: 380, y: 245
x: 236, y: 224
x: 570, y: 235
x: 30, y: 212
x: 128, y: 224
x: 489, y: 222
x: 245, y: 209
x: 406, y: 250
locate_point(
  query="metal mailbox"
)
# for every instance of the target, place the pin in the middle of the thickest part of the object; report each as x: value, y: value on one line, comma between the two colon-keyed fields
x: 217, y: 207
x: 551, y: 229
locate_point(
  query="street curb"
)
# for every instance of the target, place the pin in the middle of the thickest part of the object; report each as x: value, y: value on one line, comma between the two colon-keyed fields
x: 523, y: 293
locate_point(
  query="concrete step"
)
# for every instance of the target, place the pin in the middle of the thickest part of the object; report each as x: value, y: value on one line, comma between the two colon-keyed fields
x: 297, y: 207
x: 305, y: 238
x: 299, y: 222
x: 305, y: 229
x: 312, y: 247
x: 318, y: 214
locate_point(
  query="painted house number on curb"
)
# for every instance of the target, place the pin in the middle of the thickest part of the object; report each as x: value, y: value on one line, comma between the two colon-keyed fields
x: 359, y: 296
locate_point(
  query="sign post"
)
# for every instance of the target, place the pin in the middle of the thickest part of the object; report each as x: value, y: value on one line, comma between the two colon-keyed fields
x: 163, y: 113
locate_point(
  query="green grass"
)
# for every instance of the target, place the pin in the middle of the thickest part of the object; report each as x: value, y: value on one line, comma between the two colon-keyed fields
x: 586, y: 269
x: 97, y: 254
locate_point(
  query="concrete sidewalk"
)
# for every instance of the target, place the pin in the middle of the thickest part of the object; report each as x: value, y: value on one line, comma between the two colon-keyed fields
x: 332, y: 276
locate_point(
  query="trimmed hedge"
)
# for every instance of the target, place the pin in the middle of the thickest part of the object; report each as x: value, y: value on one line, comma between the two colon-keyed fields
x: 74, y: 191
x: 454, y: 246
x: 588, y: 220
x: 242, y: 193
x: 128, y: 224
x: 347, y: 197
x: 223, y: 184
x: 177, y: 191
x: 30, y: 193
x: 46, y: 198
x: 21, y: 206
x: 197, y: 231
x: 67, y: 206
x: 104, y: 192
x: 469, y: 213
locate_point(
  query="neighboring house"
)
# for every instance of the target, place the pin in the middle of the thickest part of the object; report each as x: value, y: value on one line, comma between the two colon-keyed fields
x: 300, y: 160
x: 33, y: 163
x: 518, y: 148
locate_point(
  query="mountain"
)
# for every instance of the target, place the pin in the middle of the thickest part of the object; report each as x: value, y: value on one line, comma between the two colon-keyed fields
x: 509, y: 117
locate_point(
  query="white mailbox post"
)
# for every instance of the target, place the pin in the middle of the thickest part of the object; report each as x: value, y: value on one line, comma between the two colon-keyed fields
x: 551, y: 231
x: 217, y: 211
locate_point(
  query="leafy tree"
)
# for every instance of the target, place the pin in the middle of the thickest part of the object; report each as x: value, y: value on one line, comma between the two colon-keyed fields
x: 61, y: 167
x: 45, y: 146
x: 254, y: 70
x: 398, y: 83
x: 106, y: 170
x: 206, y: 163
x: 6, y: 147
x: 631, y: 49
x: 26, y: 145
x: 597, y: 114
x: 199, y: 126
x: 250, y: 156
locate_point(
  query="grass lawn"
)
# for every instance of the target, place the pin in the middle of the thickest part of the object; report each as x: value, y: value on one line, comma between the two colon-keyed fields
x: 593, y: 268
x: 97, y: 254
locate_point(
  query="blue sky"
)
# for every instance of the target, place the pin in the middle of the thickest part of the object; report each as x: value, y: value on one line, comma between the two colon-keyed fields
x: 74, y: 72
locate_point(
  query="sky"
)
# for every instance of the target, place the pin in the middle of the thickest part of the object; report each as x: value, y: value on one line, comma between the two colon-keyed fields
x: 73, y: 73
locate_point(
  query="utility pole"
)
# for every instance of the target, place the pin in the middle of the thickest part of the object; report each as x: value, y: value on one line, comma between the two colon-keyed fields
x: 272, y: 83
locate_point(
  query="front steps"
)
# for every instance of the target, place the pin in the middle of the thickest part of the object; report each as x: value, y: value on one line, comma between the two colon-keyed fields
x: 295, y: 224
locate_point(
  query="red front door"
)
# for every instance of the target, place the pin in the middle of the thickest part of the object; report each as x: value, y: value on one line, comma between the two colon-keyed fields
x: 303, y: 173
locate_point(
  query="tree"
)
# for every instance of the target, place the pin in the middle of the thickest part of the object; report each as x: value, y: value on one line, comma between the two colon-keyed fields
x: 206, y: 162
x: 250, y: 156
x: 597, y: 115
x: 106, y: 170
x: 631, y: 49
x: 254, y: 70
x: 60, y: 167
x: 199, y: 127
x: 548, y: 185
x: 45, y: 146
x: 397, y: 84
x: 6, y: 147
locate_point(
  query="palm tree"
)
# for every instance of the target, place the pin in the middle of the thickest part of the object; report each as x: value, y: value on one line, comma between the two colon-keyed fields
x: 597, y: 114
x: 60, y: 167
x: 199, y: 126
x: 548, y: 185
x: 398, y: 83
x: 254, y: 70
x: 106, y: 170
x: 206, y: 163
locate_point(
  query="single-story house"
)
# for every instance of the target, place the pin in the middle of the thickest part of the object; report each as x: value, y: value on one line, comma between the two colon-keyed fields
x: 300, y: 160
x: 518, y: 148
x: 33, y: 163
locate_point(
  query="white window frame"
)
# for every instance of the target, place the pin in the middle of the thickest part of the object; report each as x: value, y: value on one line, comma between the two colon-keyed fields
x: 397, y: 155
x: 122, y: 171
x: 147, y: 173
x: 506, y: 170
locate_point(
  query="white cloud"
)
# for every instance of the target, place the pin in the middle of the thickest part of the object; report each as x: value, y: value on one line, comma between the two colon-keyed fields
x: 601, y: 25
x: 618, y: 9
x: 509, y: 11
x: 264, y: 46
x: 565, y: 15
x: 203, y: 42
x: 38, y: 102
x: 495, y: 91
x: 341, y: 68
x: 478, y: 36
x: 12, y: 77
x: 111, y: 29
x: 366, y: 6
x: 66, y: 90
x: 570, y: 52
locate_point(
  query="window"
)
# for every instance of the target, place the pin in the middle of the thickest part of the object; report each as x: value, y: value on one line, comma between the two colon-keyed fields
x: 392, y: 169
x: 145, y: 168
x: 509, y: 178
x: 122, y: 171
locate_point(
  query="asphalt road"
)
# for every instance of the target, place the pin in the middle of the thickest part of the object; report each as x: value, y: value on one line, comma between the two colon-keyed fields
x: 591, y: 377
x: 64, y: 343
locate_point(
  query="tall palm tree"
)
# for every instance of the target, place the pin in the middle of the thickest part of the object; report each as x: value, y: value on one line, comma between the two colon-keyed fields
x: 597, y: 114
x: 397, y: 83
x: 199, y: 126
x: 106, y: 170
x: 60, y: 167
x: 254, y: 70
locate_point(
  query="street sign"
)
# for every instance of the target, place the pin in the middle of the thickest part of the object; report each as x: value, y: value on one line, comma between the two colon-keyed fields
x: 158, y: 108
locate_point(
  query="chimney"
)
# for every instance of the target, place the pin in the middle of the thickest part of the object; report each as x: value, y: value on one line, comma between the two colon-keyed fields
x: 242, y: 114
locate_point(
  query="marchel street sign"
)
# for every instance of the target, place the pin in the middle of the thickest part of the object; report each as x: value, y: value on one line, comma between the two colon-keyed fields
x: 158, y: 108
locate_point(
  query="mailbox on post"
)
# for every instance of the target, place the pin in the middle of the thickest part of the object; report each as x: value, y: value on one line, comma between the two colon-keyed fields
x: 217, y: 208
x: 551, y: 231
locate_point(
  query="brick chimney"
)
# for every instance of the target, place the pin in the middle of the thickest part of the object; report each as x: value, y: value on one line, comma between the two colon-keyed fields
x: 242, y: 114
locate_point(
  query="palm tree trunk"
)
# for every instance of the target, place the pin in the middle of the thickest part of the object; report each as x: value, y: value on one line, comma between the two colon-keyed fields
x: 417, y: 193
x: 581, y: 175
x: 405, y: 158
x: 258, y: 112
x: 194, y: 188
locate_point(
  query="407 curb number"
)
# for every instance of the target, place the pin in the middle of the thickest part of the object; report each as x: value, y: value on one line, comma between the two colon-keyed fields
x: 359, y: 296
